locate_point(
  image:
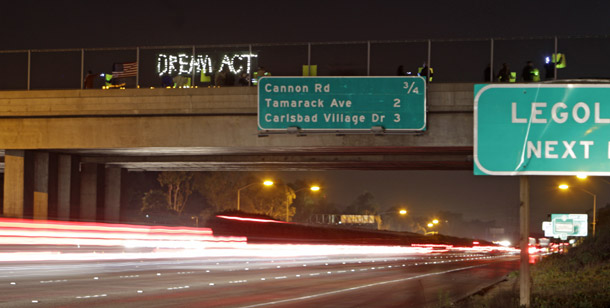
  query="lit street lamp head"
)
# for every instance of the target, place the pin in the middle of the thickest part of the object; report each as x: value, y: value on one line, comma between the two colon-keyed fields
x: 402, y: 212
x: 314, y: 188
x: 563, y: 186
x: 266, y: 183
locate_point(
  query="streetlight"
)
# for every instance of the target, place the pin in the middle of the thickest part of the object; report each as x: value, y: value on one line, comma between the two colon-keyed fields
x: 432, y: 224
x: 265, y: 183
x: 565, y: 187
x: 314, y: 188
x: 401, y: 212
x: 583, y: 176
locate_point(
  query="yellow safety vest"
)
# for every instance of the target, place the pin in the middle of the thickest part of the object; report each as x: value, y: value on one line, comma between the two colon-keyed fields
x: 559, y: 59
x: 430, y: 72
x: 536, y: 75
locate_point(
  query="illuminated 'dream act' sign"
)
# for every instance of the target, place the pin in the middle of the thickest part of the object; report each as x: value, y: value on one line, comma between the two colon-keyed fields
x: 184, y: 64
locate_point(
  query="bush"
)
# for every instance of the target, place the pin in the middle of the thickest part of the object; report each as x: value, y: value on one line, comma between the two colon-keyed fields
x: 577, y: 279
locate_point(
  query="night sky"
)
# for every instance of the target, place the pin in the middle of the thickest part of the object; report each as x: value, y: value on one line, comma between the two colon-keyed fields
x: 88, y: 24
x: 85, y: 24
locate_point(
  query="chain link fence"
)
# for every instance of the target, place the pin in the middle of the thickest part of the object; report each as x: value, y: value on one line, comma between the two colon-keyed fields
x: 465, y: 61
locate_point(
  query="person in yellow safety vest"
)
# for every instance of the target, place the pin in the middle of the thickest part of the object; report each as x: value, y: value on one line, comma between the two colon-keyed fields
x: 530, y: 73
x: 258, y: 74
x: 504, y: 73
x: 108, y: 80
x: 513, y: 77
x: 423, y: 72
x: 559, y: 59
x: 554, y: 61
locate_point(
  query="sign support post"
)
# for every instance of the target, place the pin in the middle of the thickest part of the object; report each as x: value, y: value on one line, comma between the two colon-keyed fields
x: 524, y: 269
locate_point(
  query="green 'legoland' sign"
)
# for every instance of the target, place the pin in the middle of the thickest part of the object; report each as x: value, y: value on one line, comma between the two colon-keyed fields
x: 542, y: 129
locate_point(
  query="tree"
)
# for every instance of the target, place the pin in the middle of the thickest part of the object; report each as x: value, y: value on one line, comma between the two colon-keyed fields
x: 393, y: 220
x: 308, y: 203
x: 273, y: 201
x: 220, y: 188
x: 154, y: 201
x: 364, y: 204
x: 178, y: 185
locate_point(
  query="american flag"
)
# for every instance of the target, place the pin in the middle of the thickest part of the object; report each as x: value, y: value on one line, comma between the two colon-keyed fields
x: 121, y: 70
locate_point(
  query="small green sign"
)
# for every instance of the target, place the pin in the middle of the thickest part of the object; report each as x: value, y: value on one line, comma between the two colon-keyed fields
x: 542, y: 129
x: 335, y: 104
x: 564, y: 225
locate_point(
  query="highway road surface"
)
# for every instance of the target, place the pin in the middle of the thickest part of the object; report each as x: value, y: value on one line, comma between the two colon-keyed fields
x: 253, y: 276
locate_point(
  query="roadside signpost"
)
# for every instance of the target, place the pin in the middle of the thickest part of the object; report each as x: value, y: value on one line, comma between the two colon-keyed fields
x: 342, y: 104
x: 541, y: 129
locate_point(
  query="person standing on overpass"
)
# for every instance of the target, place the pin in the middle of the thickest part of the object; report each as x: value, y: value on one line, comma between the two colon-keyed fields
x: 504, y: 73
x: 530, y: 73
x: 89, y: 79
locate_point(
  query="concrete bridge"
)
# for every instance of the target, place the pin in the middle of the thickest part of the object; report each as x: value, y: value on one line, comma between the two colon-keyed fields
x: 67, y: 147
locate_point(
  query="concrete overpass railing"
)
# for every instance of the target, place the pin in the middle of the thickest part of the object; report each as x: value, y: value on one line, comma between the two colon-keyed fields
x: 202, y: 117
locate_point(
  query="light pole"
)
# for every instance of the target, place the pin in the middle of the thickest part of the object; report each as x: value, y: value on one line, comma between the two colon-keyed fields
x: 266, y: 183
x: 313, y: 188
x: 432, y: 224
x: 401, y: 212
x: 565, y: 187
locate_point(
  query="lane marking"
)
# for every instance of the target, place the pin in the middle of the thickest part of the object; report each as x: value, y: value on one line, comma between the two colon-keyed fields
x: 360, y: 287
x: 91, y: 296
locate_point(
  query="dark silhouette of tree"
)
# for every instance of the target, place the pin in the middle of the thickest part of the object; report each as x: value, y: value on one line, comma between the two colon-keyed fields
x: 220, y: 191
x: 393, y: 220
x: 364, y: 204
x: 178, y: 188
x: 308, y: 203
x: 272, y: 201
x: 178, y: 185
x: 154, y: 201
x: 220, y: 188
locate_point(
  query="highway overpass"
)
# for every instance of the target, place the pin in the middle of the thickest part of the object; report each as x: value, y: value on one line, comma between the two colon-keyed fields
x: 69, y: 146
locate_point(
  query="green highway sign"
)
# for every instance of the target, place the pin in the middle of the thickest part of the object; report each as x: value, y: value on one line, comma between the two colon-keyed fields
x: 542, y: 129
x: 336, y: 104
x: 564, y: 225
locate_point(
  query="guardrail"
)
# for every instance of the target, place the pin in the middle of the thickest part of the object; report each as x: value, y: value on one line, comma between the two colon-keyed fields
x: 453, y: 60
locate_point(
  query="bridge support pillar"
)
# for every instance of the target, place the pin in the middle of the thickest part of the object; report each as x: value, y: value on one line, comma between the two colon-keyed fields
x: 18, y: 183
x: 67, y: 186
x: 88, y: 192
x: 41, y: 185
x: 112, y: 194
